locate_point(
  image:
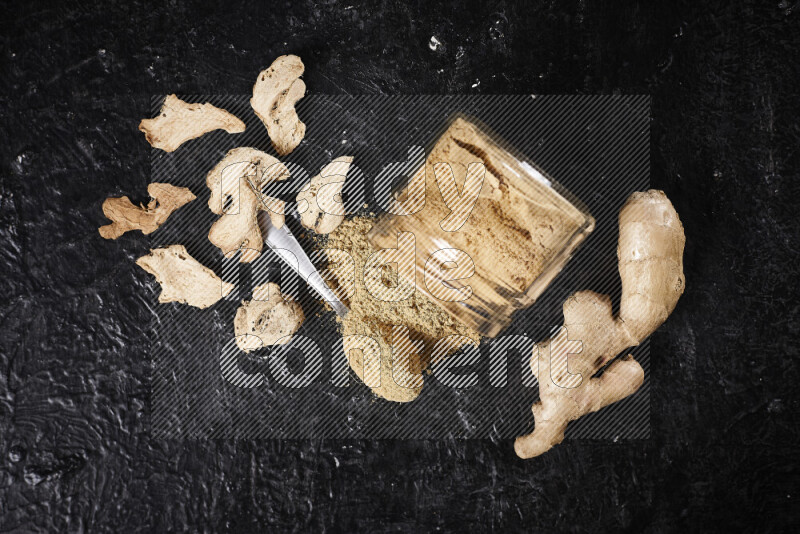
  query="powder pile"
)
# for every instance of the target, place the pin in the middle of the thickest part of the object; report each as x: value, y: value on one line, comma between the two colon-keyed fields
x: 425, y: 320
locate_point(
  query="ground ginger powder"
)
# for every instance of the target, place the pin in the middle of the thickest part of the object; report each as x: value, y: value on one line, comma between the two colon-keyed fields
x: 425, y: 320
x: 519, y: 233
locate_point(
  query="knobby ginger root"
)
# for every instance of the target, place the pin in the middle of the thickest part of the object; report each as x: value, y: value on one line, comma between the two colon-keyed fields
x: 126, y: 216
x: 271, y: 318
x: 236, y: 185
x: 319, y: 202
x: 183, y: 278
x: 650, y: 253
x: 275, y: 93
x: 178, y: 122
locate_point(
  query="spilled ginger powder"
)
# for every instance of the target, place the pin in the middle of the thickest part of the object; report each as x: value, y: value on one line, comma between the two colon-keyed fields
x: 425, y: 320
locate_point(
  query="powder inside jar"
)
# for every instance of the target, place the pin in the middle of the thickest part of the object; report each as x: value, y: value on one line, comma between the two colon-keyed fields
x: 519, y: 233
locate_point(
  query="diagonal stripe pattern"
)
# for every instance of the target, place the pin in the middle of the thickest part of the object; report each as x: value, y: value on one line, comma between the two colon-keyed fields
x: 203, y: 387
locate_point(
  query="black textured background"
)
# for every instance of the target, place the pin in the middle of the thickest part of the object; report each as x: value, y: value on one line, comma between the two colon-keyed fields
x: 77, y: 78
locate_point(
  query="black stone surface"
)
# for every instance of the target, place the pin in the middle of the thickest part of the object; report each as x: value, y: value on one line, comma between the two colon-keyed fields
x: 76, y: 455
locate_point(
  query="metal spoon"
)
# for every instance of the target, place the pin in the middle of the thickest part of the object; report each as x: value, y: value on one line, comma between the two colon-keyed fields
x: 285, y: 245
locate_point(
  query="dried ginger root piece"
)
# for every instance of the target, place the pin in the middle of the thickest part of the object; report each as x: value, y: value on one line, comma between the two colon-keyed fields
x: 650, y: 253
x: 178, y: 122
x: 271, y: 318
x: 184, y: 279
x: 275, y: 93
x: 236, y: 183
x: 319, y: 202
x: 126, y: 216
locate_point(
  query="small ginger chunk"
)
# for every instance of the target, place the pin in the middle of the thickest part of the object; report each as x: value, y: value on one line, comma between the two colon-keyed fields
x: 271, y: 318
x: 178, y: 122
x: 183, y: 279
x: 126, y: 216
x: 275, y: 93
x: 236, y: 185
x: 320, y: 200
